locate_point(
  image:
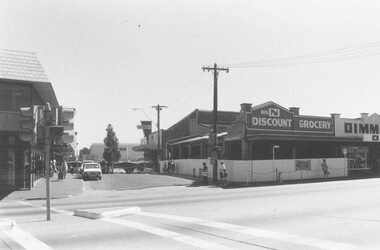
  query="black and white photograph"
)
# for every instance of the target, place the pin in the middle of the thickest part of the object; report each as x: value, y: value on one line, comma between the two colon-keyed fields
x: 199, y: 124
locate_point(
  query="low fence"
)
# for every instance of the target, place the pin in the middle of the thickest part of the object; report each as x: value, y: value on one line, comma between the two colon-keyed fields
x: 265, y: 170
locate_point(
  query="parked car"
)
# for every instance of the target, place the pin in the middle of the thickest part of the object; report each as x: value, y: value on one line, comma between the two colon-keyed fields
x: 136, y: 171
x: 74, y: 166
x: 91, y: 170
x: 119, y: 171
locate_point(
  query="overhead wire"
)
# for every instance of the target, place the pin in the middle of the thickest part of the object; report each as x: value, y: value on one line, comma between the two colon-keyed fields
x: 352, y: 52
x: 180, y: 95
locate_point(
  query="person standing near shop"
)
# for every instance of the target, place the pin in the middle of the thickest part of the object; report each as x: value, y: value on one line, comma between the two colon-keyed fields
x: 325, y: 168
x: 205, y: 173
x: 64, y: 168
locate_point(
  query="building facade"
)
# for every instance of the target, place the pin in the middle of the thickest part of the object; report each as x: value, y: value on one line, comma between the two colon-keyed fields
x: 269, y: 131
x: 126, y: 152
x: 23, y: 83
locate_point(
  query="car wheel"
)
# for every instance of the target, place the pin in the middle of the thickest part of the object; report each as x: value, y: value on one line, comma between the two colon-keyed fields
x: 100, y: 177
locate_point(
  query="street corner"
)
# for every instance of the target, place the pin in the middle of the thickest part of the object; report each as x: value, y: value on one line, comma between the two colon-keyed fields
x: 99, y: 213
x: 13, y: 237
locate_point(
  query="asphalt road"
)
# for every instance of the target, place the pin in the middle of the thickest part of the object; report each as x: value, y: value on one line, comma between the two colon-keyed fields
x: 135, y: 181
x: 325, y: 215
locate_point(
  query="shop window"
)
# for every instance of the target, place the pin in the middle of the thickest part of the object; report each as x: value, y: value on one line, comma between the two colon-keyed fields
x: 357, y: 157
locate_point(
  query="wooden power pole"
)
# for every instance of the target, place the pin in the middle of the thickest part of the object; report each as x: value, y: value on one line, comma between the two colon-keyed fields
x: 214, y: 157
x: 158, y: 108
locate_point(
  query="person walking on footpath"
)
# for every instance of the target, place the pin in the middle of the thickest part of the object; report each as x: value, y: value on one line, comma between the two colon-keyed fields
x: 325, y: 168
x: 223, y: 175
x: 205, y: 173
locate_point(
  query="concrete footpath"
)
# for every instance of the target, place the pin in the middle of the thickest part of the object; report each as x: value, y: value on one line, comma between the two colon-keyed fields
x: 71, y: 185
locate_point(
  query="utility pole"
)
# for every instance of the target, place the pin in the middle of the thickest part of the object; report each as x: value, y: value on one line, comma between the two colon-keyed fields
x: 158, y: 108
x: 47, y: 112
x: 215, y: 70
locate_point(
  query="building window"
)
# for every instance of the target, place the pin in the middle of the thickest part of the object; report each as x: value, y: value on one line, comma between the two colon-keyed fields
x: 23, y: 96
x: 5, y: 97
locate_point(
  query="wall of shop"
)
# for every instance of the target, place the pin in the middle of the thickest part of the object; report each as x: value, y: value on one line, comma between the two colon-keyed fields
x: 266, y: 170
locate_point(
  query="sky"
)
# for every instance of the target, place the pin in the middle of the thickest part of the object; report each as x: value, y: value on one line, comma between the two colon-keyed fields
x: 107, y: 57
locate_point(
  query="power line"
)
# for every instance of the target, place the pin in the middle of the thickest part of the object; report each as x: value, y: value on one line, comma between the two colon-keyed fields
x: 346, y: 53
x: 185, y: 90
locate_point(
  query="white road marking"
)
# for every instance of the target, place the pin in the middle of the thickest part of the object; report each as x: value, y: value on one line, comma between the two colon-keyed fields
x: 167, y: 234
x: 83, y: 186
x: 25, y: 239
x: 295, y: 239
x: 44, y: 208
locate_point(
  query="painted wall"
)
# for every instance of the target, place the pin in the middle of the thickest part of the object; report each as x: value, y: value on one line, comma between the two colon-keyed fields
x: 264, y: 170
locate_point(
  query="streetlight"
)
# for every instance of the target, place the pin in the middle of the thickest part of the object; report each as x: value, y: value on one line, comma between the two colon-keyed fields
x: 274, y: 147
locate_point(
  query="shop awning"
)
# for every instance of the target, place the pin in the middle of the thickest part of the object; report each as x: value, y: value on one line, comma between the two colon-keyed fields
x: 145, y: 147
x: 302, y: 138
x: 195, y: 139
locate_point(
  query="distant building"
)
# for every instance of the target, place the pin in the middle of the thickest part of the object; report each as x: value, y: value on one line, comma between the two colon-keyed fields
x: 127, y: 154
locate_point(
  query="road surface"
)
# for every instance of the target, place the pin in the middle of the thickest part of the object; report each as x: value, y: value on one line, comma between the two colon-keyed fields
x: 324, y: 215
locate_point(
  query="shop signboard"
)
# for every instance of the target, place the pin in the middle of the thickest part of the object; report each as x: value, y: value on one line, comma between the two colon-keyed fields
x: 276, y: 118
x: 366, y: 127
x: 271, y: 117
x: 313, y: 124
x: 371, y: 137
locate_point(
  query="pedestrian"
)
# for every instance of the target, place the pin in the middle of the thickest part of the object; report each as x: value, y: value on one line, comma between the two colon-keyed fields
x: 172, y: 166
x: 223, y: 174
x: 64, y: 168
x: 325, y: 168
x: 52, y: 169
x: 166, y: 167
x: 205, y: 173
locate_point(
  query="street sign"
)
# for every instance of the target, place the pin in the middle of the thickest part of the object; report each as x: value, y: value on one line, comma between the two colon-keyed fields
x: 144, y: 126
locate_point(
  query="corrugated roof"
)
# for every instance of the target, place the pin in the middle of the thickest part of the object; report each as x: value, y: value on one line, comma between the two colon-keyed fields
x: 20, y: 65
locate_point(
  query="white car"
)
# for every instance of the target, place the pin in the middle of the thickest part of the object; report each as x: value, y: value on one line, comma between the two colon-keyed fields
x: 91, y: 170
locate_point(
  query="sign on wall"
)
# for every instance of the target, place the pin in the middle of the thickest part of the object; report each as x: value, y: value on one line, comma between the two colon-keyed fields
x: 366, y: 127
x: 303, y: 165
x: 276, y: 118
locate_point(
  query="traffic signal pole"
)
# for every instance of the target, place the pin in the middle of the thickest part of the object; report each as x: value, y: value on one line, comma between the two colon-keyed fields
x: 215, y: 70
x: 47, y: 171
x: 47, y: 110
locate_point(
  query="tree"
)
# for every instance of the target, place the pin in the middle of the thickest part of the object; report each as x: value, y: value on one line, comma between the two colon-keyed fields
x: 111, y: 152
x: 82, y: 152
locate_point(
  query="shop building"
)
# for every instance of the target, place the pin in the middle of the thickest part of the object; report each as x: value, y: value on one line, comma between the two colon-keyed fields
x: 268, y: 131
x: 267, y: 128
x: 23, y: 83
x: 190, y: 137
x: 363, y: 151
